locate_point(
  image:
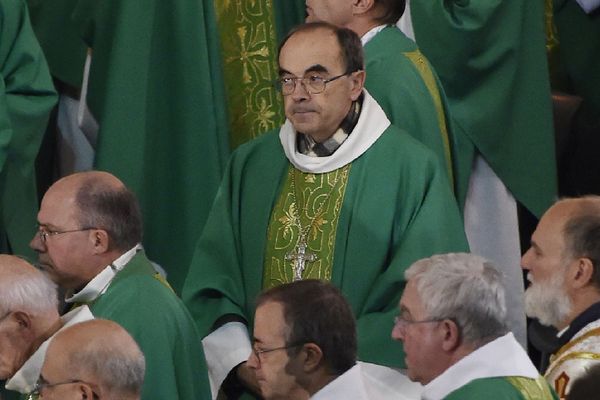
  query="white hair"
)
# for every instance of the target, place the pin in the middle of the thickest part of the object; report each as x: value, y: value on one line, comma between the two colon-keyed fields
x: 26, y: 289
x: 465, y: 288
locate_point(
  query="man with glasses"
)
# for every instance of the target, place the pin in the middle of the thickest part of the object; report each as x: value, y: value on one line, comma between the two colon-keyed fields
x: 89, y: 243
x: 95, y: 359
x: 337, y: 193
x: 305, y: 347
x: 28, y: 319
x: 452, y: 324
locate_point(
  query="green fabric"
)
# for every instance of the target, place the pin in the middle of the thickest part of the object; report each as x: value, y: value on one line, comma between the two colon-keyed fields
x: 158, y: 100
x: 64, y: 49
x: 248, y: 50
x: 382, y: 229
x: 26, y: 98
x: 162, y: 327
x: 394, y: 80
x: 496, y: 78
x: 512, y: 388
x: 288, y: 13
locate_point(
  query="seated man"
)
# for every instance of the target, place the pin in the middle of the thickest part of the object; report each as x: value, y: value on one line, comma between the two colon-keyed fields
x: 452, y: 323
x: 562, y: 265
x: 88, y: 242
x: 337, y: 194
x: 305, y: 347
x: 95, y: 359
x: 28, y: 318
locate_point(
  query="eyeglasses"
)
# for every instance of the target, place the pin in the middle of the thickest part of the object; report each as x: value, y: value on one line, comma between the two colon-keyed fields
x: 313, y: 84
x: 44, y: 232
x: 42, y: 384
x: 402, y: 323
x: 258, y: 352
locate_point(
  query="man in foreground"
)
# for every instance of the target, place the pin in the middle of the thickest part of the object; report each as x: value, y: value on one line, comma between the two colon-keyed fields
x: 562, y: 265
x: 104, y: 362
x: 89, y: 242
x: 337, y: 194
x: 452, y: 323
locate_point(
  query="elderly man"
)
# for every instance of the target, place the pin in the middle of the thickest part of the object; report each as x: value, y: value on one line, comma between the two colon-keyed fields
x: 399, y: 77
x: 305, y: 347
x: 104, y: 362
x: 28, y: 318
x: 337, y: 194
x: 452, y: 323
x: 88, y: 242
x: 562, y: 266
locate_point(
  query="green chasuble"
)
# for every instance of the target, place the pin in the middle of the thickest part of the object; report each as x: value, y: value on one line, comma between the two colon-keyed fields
x: 404, y: 84
x: 162, y: 327
x: 397, y: 208
x: 162, y: 128
x: 491, y: 59
x: 504, y: 388
x: 288, y: 13
x: 26, y: 98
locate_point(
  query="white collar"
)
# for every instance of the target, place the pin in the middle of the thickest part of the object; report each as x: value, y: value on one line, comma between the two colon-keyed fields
x: 349, y: 380
x: 25, y: 378
x: 97, y: 286
x: 501, y: 357
x: 370, y: 126
x: 366, y: 38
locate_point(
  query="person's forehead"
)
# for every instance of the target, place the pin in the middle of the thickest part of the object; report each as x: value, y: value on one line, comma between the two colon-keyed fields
x: 303, y: 50
x: 58, y: 207
x: 410, y: 300
x: 269, y: 322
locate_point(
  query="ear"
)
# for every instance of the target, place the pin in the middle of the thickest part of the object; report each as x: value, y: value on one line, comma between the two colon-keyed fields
x: 23, y: 321
x: 100, y: 241
x: 312, y: 357
x: 357, y: 80
x: 84, y: 391
x: 582, y: 272
x: 362, y: 6
x: 450, y: 335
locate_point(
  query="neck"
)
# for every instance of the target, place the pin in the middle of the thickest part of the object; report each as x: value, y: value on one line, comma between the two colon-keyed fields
x: 46, y: 326
x: 585, y: 299
x: 362, y: 25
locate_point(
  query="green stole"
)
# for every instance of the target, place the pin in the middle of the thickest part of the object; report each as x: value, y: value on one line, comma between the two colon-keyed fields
x: 531, y: 389
x: 306, y: 214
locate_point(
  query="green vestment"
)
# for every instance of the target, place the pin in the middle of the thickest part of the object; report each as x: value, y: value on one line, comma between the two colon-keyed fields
x: 26, y: 98
x: 162, y: 327
x: 397, y: 208
x: 491, y: 59
x: 158, y: 102
x: 404, y: 84
x: 504, y: 388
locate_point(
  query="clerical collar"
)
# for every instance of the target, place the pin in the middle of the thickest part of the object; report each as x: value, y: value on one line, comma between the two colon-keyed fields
x: 308, y: 146
x: 98, y: 285
x: 591, y: 314
x: 366, y: 38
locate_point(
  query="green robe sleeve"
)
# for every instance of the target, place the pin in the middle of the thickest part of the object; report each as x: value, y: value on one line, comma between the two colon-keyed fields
x: 491, y: 59
x: 26, y: 99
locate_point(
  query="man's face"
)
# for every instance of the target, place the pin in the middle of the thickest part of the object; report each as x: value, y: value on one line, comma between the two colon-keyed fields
x: 14, y: 348
x: 547, y: 262
x: 317, y: 53
x: 275, y: 370
x: 422, y: 342
x: 65, y: 256
x: 336, y: 12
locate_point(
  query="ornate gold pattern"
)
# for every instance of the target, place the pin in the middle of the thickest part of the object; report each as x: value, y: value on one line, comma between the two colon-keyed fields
x: 582, y: 355
x: 531, y: 389
x: 316, y: 205
x: 569, y: 345
x: 248, y: 49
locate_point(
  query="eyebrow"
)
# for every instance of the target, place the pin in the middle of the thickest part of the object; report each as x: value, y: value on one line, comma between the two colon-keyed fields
x: 312, y: 68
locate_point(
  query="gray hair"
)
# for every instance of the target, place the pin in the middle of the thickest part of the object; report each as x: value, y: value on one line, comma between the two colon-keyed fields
x: 465, y: 288
x: 24, y: 288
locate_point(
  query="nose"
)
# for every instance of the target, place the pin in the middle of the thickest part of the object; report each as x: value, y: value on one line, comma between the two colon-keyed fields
x: 36, y: 243
x: 300, y: 91
x: 526, y: 260
x: 397, y: 333
x: 253, y: 361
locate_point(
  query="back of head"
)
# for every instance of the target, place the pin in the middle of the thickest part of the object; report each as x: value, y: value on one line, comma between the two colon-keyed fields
x: 389, y: 11
x: 349, y: 42
x: 317, y: 312
x: 586, y: 386
x: 25, y: 288
x: 465, y: 288
x: 105, y: 203
x: 103, y: 353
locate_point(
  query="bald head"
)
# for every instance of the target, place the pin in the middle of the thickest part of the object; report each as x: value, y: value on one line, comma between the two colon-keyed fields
x: 101, y: 355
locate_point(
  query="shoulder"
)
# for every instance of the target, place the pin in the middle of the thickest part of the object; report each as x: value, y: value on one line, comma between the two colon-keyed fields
x: 265, y: 145
x: 397, y: 143
x: 487, y: 388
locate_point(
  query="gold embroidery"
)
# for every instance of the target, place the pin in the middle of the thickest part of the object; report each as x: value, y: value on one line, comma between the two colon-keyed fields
x: 531, y: 389
x: 572, y: 356
x: 568, y: 346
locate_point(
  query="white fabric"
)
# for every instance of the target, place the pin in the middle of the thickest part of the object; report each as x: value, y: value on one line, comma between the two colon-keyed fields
x: 366, y: 381
x: 492, y: 228
x: 499, y: 358
x: 225, y: 348
x: 589, y: 5
x: 75, y: 149
x: 405, y: 22
x: 370, y: 126
x: 97, y: 286
x: 25, y: 378
x: 366, y: 38
x: 86, y: 121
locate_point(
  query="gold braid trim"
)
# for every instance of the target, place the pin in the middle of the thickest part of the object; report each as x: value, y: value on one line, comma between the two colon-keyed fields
x: 568, y: 346
x: 581, y: 355
x: 531, y: 389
